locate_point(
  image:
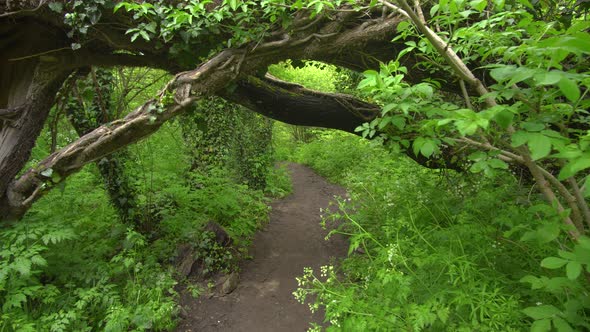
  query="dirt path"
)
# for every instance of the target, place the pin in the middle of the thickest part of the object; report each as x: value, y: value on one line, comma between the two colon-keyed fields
x: 293, y: 239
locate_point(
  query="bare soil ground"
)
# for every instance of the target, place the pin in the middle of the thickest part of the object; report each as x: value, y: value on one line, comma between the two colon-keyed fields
x: 293, y: 239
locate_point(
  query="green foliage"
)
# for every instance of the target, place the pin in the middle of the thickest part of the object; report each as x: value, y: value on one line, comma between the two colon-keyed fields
x: 188, y: 25
x: 311, y: 74
x: 61, y: 269
x: 72, y: 264
x: 221, y: 134
x: 431, y: 251
x: 278, y: 182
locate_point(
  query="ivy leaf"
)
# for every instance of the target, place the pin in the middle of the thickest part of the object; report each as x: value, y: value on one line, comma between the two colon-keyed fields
x: 541, y: 312
x: 47, y: 173
x: 569, y: 89
x: 573, y: 270
x: 553, y: 263
x: 56, y: 7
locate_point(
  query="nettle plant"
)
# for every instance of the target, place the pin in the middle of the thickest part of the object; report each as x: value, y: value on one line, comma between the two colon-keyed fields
x: 531, y: 112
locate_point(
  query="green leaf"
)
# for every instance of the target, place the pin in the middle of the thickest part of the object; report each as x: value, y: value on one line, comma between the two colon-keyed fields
x: 504, y: 118
x: 403, y: 25
x: 144, y: 35
x: 526, y: 3
x: 478, y: 155
x: 573, y: 270
x: 479, y: 166
x: 428, y: 148
x: 547, y: 77
x: 47, y: 172
x: 444, y: 122
x: 38, y: 260
x: 417, y: 145
x: 399, y: 122
x: 387, y: 108
x: 569, y: 89
x: 532, y: 126
x: 561, y: 325
x: 584, y: 242
x: 479, y: 5
x: 497, y: 163
x: 541, y: 312
x: 119, y: 5
x: 519, y: 138
x: 519, y: 75
x: 56, y: 6
x: 553, y: 262
x: 502, y: 73
x: 547, y: 232
x: 23, y: 266
x: 540, y: 146
x: 575, y: 166
x: 542, y: 325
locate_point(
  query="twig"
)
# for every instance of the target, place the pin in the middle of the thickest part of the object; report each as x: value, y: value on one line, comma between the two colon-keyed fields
x: 580, y: 199
x: 41, y: 3
x: 39, y: 54
x: 465, y: 95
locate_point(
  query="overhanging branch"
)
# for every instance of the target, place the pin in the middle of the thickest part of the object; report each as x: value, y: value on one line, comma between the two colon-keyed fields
x: 293, y: 104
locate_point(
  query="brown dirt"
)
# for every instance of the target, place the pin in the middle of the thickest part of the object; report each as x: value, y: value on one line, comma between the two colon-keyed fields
x: 263, y: 300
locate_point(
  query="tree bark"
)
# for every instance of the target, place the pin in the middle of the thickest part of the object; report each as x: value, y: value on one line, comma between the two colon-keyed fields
x: 296, y: 105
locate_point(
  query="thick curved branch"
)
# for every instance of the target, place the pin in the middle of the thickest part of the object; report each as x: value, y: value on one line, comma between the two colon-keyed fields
x: 293, y: 104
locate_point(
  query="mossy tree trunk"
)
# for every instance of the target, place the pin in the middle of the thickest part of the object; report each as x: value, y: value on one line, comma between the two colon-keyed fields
x: 88, y: 104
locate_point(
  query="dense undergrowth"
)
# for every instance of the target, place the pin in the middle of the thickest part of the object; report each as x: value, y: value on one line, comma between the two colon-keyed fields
x: 73, y: 264
x: 434, y: 250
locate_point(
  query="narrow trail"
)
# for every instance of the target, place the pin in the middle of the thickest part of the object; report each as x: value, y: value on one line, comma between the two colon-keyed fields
x: 293, y: 239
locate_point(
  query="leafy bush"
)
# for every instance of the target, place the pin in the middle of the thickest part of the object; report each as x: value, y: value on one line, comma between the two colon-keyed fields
x: 62, y: 270
x: 432, y: 250
x: 72, y: 265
